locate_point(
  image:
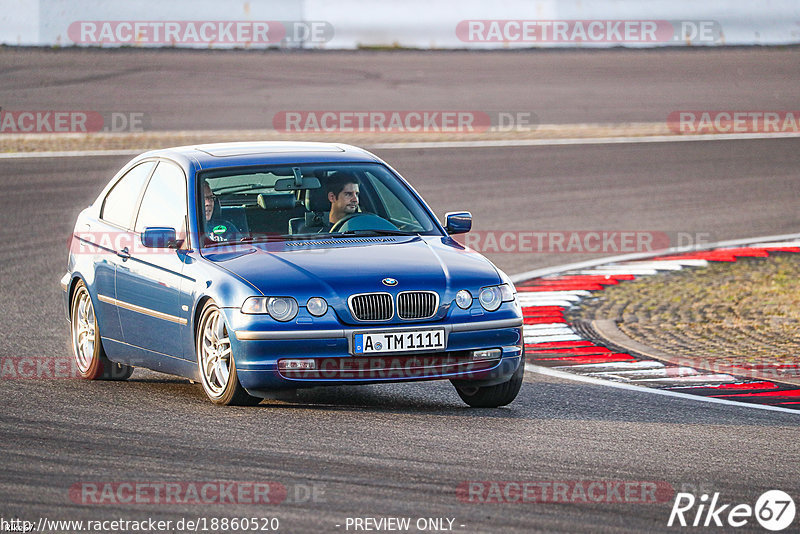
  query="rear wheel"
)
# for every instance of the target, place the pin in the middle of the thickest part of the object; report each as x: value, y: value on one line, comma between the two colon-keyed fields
x: 492, y: 396
x: 215, y: 359
x: 86, y: 345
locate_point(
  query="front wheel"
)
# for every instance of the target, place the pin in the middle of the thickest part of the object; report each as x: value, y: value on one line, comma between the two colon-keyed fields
x: 215, y: 359
x: 86, y: 345
x: 492, y: 396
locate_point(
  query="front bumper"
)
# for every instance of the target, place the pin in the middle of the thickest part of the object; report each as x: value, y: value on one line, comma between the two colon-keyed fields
x: 259, y: 353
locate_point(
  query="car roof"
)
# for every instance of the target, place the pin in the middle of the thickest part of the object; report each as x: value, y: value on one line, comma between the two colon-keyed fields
x: 209, y: 156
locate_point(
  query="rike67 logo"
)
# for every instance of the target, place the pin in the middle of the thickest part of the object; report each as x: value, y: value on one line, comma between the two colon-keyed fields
x: 774, y: 510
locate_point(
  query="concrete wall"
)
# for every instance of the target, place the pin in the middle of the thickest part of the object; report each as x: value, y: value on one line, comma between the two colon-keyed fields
x: 408, y: 23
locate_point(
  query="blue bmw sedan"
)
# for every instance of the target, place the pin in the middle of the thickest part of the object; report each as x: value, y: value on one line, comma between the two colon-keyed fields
x: 258, y: 267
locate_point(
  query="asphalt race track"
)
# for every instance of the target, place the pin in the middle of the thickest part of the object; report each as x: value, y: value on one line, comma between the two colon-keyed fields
x: 217, y: 90
x: 404, y: 450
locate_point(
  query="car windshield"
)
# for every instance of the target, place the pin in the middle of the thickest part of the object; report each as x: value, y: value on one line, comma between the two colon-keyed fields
x: 307, y: 201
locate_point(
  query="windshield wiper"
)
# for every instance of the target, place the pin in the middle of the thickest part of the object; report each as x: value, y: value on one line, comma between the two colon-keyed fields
x: 283, y: 237
x: 263, y: 238
x: 351, y: 233
x: 302, y: 237
x: 248, y: 239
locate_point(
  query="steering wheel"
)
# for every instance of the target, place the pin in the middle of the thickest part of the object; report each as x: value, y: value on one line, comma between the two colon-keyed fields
x: 341, y: 222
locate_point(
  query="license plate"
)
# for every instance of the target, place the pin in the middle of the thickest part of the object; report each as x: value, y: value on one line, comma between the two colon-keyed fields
x: 380, y: 342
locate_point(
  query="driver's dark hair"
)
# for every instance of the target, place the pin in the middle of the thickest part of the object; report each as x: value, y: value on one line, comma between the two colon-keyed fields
x: 338, y: 180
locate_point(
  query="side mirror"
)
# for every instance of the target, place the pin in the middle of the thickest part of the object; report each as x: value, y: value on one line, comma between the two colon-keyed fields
x: 159, y: 237
x: 458, y: 222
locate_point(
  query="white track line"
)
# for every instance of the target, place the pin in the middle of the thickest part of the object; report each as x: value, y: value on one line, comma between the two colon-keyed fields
x: 658, y: 372
x: 534, y: 340
x: 487, y: 143
x: 533, y: 328
x: 698, y: 379
x: 548, y: 334
x: 784, y: 244
x: 635, y: 271
x: 684, y: 263
x: 666, y: 265
x: 630, y: 387
x: 782, y: 239
x: 70, y: 154
x: 569, y: 295
x: 588, y: 368
x: 584, y: 141
x: 541, y: 303
x: 533, y: 296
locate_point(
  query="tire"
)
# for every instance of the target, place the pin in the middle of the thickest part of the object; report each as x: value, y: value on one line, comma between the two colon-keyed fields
x: 86, y: 345
x: 216, y: 362
x: 493, y: 396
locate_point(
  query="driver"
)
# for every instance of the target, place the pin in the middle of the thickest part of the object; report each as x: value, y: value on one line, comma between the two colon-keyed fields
x: 216, y: 228
x: 343, y: 196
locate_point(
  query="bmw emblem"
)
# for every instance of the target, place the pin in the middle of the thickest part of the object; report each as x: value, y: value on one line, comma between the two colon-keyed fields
x: 389, y: 282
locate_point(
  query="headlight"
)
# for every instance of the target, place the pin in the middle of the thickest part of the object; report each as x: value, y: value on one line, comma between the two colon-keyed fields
x: 464, y: 299
x: 491, y: 297
x: 279, y: 308
x: 317, y: 306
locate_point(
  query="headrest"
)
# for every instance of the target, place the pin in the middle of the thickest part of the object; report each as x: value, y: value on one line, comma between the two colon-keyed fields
x: 282, y: 201
x: 317, y: 200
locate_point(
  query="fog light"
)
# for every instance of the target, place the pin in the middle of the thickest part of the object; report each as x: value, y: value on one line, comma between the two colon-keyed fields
x: 486, y: 354
x: 317, y: 306
x: 292, y: 365
x: 464, y: 299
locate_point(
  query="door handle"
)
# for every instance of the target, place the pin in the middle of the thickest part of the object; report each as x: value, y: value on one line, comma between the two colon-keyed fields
x: 124, y: 254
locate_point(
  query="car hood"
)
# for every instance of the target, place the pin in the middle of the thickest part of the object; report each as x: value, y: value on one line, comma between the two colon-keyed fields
x: 338, y: 268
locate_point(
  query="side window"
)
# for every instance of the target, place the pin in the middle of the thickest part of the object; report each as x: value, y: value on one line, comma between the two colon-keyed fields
x: 164, y: 202
x: 120, y: 202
